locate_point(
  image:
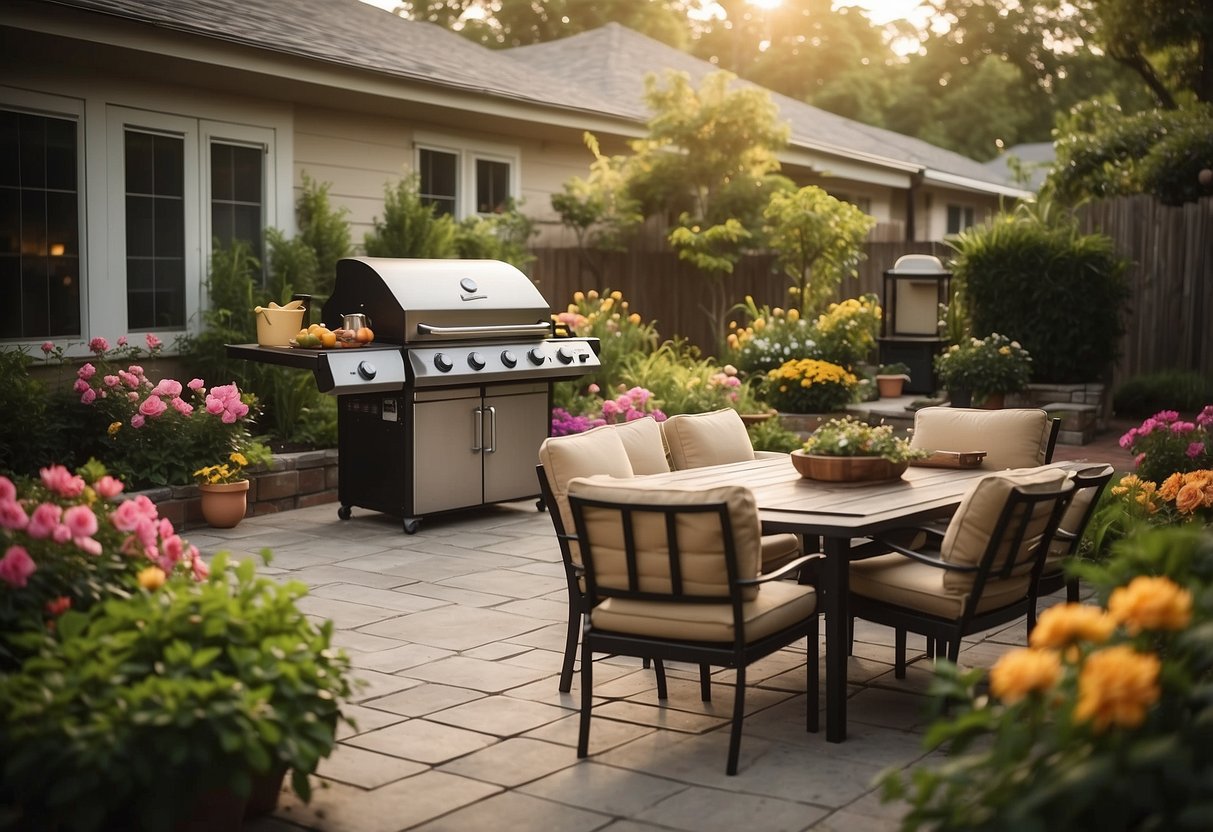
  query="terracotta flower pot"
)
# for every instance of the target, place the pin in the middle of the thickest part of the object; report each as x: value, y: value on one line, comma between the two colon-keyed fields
x: 890, y: 386
x: 224, y: 504
x: 846, y: 468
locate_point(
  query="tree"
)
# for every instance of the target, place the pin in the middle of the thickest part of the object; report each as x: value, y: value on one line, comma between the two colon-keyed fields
x: 325, y: 229
x: 818, y: 241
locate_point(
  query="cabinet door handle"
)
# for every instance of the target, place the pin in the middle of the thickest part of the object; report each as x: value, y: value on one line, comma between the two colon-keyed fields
x: 492, y: 430
x: 478, y: 429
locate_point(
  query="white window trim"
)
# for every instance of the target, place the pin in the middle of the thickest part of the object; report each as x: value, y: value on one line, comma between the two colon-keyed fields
x: 248, y: 136
x: 467, y: 153
x: 111, y: 305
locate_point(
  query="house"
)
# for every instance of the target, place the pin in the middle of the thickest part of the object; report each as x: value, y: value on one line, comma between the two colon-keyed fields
x: 1032, y: 160
x: 133, y: 133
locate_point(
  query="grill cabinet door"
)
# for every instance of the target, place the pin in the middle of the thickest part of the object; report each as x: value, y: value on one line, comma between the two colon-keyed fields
x: 446, y: 470
x: 521, y: 417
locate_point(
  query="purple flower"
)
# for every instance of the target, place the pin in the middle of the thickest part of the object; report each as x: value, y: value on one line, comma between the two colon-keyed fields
x: 1195, y: 449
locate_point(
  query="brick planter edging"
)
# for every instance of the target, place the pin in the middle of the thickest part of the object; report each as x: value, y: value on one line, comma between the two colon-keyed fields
x: 289, y: 481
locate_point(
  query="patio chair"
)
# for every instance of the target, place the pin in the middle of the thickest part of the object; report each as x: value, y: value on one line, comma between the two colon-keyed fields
x: 1019, y: 437
x: 1088, y: 485
x: 983, y: 574
x: 673, y: 573
x: 697, y: 440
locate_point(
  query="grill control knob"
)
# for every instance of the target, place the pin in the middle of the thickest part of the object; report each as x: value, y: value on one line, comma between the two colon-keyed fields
x: 366, y: 369
x: 509, y: 359
x: 536, y: 356
x: 476, y: 361
x: 565, y: 355
x: 443, y: 363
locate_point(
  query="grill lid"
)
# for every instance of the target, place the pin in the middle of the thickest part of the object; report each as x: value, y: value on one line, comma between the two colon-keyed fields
x: 416, y: 301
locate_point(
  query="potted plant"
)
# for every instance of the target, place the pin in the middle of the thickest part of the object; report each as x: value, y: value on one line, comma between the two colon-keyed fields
x: 983, y: 370
x: 890, y: 378
x: 224, y: 491
x: 170, y: 701
x: 849, y: 450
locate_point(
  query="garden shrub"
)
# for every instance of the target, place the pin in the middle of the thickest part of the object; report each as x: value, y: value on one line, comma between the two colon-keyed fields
x: 1038, y: 280
x: 410, y: 228
x: 32, y: 434
x: 325, y: 230
x: 1145, y: 395
x: 771, y: 435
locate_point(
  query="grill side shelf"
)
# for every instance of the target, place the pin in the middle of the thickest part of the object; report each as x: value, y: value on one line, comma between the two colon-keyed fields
x: 318, y: 362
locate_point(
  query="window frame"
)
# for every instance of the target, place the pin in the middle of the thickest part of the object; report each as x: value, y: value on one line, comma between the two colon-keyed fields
x: 468, y: 153
x: 244, y: 135
x: 965, y: 211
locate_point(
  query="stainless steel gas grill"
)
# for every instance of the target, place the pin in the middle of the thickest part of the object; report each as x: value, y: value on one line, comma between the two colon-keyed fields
x: 447, y: 407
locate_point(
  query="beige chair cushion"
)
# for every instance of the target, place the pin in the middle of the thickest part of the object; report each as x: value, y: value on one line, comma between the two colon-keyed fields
x: 597, y: 451
x: 972, y: 525
x: 895, y: 579
x: 778, y: 549
x: 1011, y: 438
x: 701, y: 547
x: 777, y: 606
x: 644, y: 445
x: 696, y: 440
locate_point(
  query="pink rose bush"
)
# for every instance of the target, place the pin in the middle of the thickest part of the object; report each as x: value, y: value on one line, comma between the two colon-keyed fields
x: 155, y: 433
x: 67, y: 542
x: 1166, y: 444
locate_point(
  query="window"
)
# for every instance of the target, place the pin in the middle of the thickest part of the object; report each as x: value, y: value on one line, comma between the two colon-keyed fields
x: 155, y: 230
x: 461, y: 179
x: 40, y: 280
x: 439, y: 183
x: 960, y: 217
x: 237, y: 181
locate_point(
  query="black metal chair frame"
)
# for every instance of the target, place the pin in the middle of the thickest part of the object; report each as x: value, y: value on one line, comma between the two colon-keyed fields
x: 944, y: 634
x: 1051, y: 445
x: 737, y: 654
x: 1096, y: 478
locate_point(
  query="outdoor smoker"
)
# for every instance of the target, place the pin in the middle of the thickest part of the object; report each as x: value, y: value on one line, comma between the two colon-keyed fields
x: 447, y: 407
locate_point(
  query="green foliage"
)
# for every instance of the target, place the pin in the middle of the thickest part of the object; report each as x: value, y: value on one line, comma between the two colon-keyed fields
x: 292, y: 266
x: 621, y: 332
x: 844, y: 334
x: 1033, y: 275
x: 324, y: 229
x: 137, y: 708
x: 502, y: 236
x: 231, y: 290
x: 598, y: 209
x: 34, y: 433
x: 1102, y: 153
x: 818, y: 240
x: 682, y: 381
x: 849, y: 436
x: 1145, y: 395
x: 409, y: 227
x: 771, y: 435
x: 994, y: 364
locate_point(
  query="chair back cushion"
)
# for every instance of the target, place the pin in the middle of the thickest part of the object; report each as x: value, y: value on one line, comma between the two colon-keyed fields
x: 701, y: 545
x: 969, y: 533
x: 597, y: 451
x: 696, y: 440
x: 645, y: 448
x: 1011, y: 438
x: 1076, y: 513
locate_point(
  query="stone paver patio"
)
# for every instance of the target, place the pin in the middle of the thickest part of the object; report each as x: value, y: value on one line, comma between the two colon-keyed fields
x: 457, y: 633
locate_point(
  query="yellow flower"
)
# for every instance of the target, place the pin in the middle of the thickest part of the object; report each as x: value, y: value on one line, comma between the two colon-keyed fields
x: 617, y: 295
x: 759, y: 324
x: 634, y: 319
x: 1023, y: 671
x: 114, y: 428
x: 793, y: 315
x: 238, y: 458
x: 1064, y: 624
x: 1116, y: 686
x: 578, y: 297
x: 607, y: 304
x: 1004, y: 350
x: 592, y: 294
x: 152, y: 578
x: 1151, y: 604
x: 1170, y: 487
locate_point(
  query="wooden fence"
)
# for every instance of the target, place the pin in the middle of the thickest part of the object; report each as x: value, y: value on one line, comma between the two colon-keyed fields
x: 1169, y: 312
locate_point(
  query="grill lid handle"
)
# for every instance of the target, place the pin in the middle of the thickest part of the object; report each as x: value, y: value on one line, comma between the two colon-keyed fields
x: 542, y: 328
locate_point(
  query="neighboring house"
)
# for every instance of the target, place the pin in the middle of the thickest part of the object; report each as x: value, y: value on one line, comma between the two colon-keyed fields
x: 133, y: 133
x: 1034, y: 159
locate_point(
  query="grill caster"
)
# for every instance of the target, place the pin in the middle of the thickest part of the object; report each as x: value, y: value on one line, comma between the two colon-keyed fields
x: 344, y: 513
x: 411, y: 525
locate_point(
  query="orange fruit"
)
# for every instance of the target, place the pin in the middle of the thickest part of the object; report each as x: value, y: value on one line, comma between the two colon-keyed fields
x: 364, y: 335
x: 328, y: 339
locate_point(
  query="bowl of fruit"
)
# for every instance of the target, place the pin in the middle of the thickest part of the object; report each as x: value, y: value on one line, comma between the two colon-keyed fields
x: 320, y: 337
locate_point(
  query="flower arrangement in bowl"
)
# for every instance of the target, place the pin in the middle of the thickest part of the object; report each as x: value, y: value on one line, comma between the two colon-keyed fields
x: 808, y: 385
x: 984, y: 367
x: 850, y: 450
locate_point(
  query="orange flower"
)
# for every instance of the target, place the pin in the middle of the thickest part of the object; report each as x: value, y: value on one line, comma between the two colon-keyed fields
x: 1189, y: 498
x: 1023, y: 671
x: 1116, y: 687
x: 1151, y: 604
x: 1170, y: 487
x: 1064, y: 624
x: 152, y: 578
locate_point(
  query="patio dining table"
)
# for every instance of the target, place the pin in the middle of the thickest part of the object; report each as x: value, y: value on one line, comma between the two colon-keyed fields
x: 837, y: 513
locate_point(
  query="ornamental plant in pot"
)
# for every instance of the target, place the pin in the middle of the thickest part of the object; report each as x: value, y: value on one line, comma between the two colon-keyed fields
x: 891, y: 378
x: 172, y: 699
x: 983, y: 369
x: 224, y: 491
x: 849, y: 450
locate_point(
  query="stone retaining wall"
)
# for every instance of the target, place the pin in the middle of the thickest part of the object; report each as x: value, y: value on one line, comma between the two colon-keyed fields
x: 290, y: 481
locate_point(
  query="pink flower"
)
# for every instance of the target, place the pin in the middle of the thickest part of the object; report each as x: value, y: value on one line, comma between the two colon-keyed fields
x: 132, y: 396
x: 62, y: 481
x: 44, y: 521
x: 1137, y: 460
x: 86, y: 372
x: 1166, y: 416
x: 136, y: 370
x: 594, y: 388
x: 657, y: 415
x: 88, y: 396
x: 167, y: 387
x: 1178, y: 428
x: 99, y: 345
x: 12, y: 515
x: 110, y: 381
x: 181, y: 406
x: 152, y: 341
x: 81, y: 521
x: 88, y: 545
x: 122, y: 340
x: 48, y: 347
x: 137, y: 420
x: 16, y: 566
x: 61, y: 534
x: 129, y: 379
x: 1205, y: 417
x: 153, y: 406
x: 108, y: 487
x: 196, y: 384
x: 1195, y: 449
x: 126, y: 516
x: 201, y: 570
x: 8, y: 491
x: 80, y: 385
x: 174, y: 548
